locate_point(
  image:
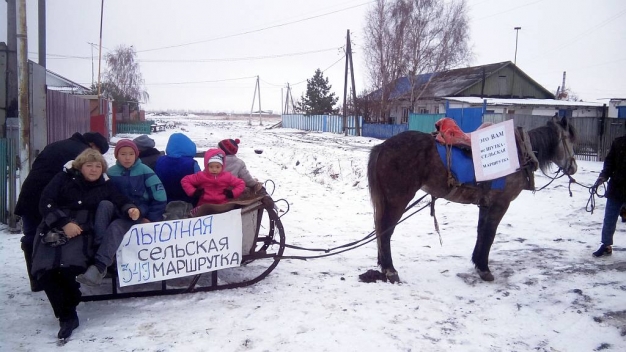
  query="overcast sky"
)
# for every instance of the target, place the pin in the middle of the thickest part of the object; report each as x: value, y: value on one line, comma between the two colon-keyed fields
x: 286, y: 40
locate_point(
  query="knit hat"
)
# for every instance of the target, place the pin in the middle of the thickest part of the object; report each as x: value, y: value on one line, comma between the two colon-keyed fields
x: 126, y: 143
x: 229, y: 146
x: 144, y: 142
x: 97, y: 139
x: 216, y: 159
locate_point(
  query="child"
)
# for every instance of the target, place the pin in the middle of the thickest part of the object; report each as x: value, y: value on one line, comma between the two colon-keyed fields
x: 177, y: 163
x: 215, y: 185
x: 137, y: 181
x: 236, y: 166
x: 147, y: 152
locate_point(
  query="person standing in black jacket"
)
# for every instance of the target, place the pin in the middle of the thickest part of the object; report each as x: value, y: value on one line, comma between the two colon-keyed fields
x: 614, y: 171
x: 47, y: 164
x: 68, y: 235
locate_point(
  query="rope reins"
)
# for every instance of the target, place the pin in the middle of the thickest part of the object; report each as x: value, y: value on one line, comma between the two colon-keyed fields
x: 358, y: 243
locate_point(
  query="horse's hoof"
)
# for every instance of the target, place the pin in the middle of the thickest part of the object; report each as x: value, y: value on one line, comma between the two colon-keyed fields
x: 485, y: 275
x: 393, y: 276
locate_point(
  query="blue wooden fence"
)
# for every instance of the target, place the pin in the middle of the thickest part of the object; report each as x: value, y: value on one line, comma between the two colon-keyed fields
x: 424, y: 122
x: 468, y: 119
x: 321, y: 123
x: 382, y: 131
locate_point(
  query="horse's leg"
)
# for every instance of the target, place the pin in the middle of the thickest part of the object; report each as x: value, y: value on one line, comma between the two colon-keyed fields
x: 388, y: 222
x: 488, y: 220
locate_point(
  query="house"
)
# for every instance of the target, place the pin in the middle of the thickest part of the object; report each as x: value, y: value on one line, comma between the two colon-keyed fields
x: 616, y: 107
x: 498, y: 80
x: 537, y: 107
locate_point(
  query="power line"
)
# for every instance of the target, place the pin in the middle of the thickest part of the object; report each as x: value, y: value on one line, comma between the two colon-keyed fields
x: 326, y: 69
x: 195, y: 82
x: 509, y: 10
x: 253, y: 31
x: 585, y: 33
x: 243, y: 58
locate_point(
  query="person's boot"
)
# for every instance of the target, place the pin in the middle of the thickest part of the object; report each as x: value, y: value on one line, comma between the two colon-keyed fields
x: 603, y: 250
x: 35, y: 286
x: 92, y: 277
x: 67, y: 327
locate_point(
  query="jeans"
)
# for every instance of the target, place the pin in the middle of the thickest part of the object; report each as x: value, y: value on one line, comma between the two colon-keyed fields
x: 105, y: 214
x: 109, y: 233
x: 611, y: 213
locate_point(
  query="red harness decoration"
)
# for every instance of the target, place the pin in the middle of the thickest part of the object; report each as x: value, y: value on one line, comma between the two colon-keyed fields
x: 449, y: 133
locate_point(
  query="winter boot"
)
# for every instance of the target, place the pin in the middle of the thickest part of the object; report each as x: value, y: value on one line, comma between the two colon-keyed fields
x: 91, y: 277
x: 603, y: 250
x: 67, y: 327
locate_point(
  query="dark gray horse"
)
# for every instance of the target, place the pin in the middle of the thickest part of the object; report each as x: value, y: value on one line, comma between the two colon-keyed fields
x: 409, y: 161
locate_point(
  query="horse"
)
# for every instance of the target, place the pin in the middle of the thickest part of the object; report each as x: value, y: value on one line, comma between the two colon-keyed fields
x: 409, y: 161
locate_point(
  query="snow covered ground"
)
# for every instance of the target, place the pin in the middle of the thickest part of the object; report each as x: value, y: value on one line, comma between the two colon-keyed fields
x: 549, y: 293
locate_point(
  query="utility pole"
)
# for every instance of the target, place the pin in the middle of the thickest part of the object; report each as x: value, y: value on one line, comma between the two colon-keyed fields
x: 100, y: 56
x: 23, y: 107
x: 516, y: 35
x: 41, y: 14
x: 257, y: 90
x: 11, y: 103
x: 286, y: 104
x: 514, y: 60
x: 92, y: 75
x: 258, y: 84
x: 349, y: 67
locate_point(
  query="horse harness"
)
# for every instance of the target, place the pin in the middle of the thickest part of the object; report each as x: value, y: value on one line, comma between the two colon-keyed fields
x: 527, y: 158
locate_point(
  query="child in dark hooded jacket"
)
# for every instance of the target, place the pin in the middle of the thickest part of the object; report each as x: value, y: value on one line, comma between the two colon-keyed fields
x: 177, y: 163
x: 215, y: 185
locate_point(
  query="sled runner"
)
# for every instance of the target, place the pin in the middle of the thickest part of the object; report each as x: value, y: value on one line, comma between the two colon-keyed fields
x: 182, y: 248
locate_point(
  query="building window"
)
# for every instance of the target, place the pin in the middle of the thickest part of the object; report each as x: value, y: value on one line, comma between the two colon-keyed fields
x: 405, y: 115
x: 436, y: 110
x: 422, y: 110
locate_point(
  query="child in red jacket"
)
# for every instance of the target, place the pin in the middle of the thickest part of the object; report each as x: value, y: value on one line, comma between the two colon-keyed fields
x: 215, y: 185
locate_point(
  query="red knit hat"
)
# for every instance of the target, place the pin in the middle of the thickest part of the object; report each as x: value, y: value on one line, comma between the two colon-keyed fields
x: 229, y: 146
x: 126, y: 143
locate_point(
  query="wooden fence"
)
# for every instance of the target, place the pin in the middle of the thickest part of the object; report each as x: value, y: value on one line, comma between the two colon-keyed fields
x: 66, y: 114
x: 136, y: 127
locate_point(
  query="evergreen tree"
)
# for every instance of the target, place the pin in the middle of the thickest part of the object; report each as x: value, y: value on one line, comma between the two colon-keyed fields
x: 318, y: 99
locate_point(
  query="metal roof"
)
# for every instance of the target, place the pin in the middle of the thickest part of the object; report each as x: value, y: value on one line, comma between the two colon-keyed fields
x: 534, y: 102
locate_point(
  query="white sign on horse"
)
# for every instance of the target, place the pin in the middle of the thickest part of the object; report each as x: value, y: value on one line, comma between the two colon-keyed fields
x: 176, y: 248
x: 494, y: 151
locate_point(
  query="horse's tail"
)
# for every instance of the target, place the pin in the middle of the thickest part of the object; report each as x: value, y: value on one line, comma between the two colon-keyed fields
x: 376, y: 192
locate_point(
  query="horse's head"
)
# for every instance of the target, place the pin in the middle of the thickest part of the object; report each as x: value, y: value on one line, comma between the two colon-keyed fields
x: 564, y: 155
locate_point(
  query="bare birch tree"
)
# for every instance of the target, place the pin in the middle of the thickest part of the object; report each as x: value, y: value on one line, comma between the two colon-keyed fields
x: 123, y: 80
x: 413, y: 37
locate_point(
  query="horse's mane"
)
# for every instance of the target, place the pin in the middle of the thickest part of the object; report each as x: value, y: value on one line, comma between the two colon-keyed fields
x: 545, y: 142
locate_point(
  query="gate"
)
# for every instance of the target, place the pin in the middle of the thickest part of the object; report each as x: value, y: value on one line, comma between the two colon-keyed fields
x: 468, y: 119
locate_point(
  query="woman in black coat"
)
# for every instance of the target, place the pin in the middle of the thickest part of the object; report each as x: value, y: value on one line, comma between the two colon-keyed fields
x: 64, y: 246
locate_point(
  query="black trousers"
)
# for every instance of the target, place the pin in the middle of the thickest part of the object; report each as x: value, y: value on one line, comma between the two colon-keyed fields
x: 63, y: 291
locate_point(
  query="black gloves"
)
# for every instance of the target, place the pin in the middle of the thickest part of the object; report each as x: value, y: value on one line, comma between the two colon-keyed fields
x: 229, y: 194
x: 198, y: 193
x: 599, y: 181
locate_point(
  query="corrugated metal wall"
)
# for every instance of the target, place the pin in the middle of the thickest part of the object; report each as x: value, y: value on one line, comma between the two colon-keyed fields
x: 66, y: 114
x: 382, y: 131
x: 424, y: 122
x: 321, y: 123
